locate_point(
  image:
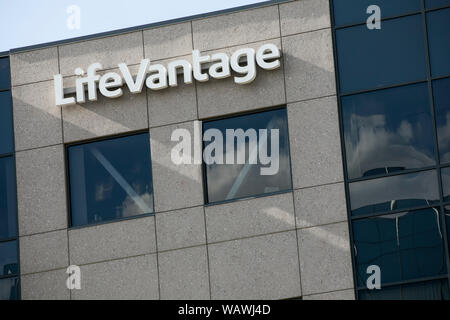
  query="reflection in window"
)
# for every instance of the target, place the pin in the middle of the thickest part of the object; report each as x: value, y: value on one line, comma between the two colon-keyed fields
x: 429, y: 290
x: 441, y: 94
x: 354, y: 11
x: 370, y: 59
x: 447, y: 221
x: 8, y: 258
x: 4, y: 73
x: 110, y: 179
x: 394, y: 193
x: 9, y: 288
x: 446, y: 183
x: 6, y: 136
x: 8, y: 221
x: 405, y: 245
x: 387, y: 131
x: 240, y: 179
x: 438, y: 24
x: 429, y: 4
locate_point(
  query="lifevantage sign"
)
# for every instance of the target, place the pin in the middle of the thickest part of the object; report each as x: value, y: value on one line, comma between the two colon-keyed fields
x: 157, y: 77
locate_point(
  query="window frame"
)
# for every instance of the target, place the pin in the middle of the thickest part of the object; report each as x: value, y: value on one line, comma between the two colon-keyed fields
x: 70, y: 226
x: 206, y: 201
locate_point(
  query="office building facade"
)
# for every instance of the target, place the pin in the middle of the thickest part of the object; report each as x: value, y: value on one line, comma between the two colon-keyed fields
x: 358, y: 108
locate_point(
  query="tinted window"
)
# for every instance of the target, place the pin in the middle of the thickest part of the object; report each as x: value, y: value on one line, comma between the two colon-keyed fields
x: 394, y: 193
x: 243, y: 179
x: 6, y: 136
x: 436, y: 3
x: 405, y: 245
x: 9, y: 288
x: 447, y: 221
x: 8, y: 258
x: 355, y: 11
x: 438, y: 37
x: 446, y: 183
x: 369, y: 59
x: 430, y: 290
x: 8, y: 224
x: 110, y: 179
x: 387, y: 131
x: 4, y: 73
x: 441, y: 94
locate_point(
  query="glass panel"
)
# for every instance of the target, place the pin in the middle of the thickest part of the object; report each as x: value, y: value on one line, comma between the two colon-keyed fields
x: 8, y: 258
x: 430, y: 290
x: 8, y: 221
x: 429, y: 4
x: 369, y: 59
x: 446, y: 183
x: 405, y: 246
x: 242, y: 179
x: 438, y: 24
x: 110, y: 179
x: 387, y: 131
x: 6, y: 136
x: 9, y: 288
x: 441, y: 94
x: 4, y: 74
x: 355, y: 11
x: 394, y: 193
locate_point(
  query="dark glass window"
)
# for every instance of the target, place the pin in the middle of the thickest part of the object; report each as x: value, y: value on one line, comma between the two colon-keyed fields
x: 387, y: 131
x: 6, y: 136
x: 438, y: 24
x: 8, y: 221
x: 441, y: 94
x: 429, y: 290
x: 394, y: 193
x: 355, y: 11
x: 8, y: 258
x: 4, y: 74
x: 369, y: 59
x: 446, y: 183
x: 9, y: 288
x: 406, y: 245
x: 247, y: 178
x: 110, y: 179
x: 430, y: 4
x: 447, y: 221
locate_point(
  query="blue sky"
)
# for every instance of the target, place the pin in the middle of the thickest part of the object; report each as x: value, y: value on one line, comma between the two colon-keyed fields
x: 29, y: 22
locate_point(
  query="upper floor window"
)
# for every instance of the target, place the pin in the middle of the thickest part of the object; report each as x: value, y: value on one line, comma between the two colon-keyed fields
x: 6, y: 136
x: 438, y: 25
x: 4, y: 73
x: 247, y: 155
x: 442, y: 109
x: 8, y: 221
x: 110, y: 179
x: 387, y: 131
x: 370, y: 59
x: 430, y: 4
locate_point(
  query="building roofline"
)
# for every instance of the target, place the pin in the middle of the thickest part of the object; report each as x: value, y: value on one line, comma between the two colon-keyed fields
x: 141, y: 27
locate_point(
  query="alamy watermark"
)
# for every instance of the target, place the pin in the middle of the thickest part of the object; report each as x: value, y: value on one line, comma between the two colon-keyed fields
x: 74, y: 19
x: 374, y: 20
x: 235, y: 143
x: 74, y: 279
